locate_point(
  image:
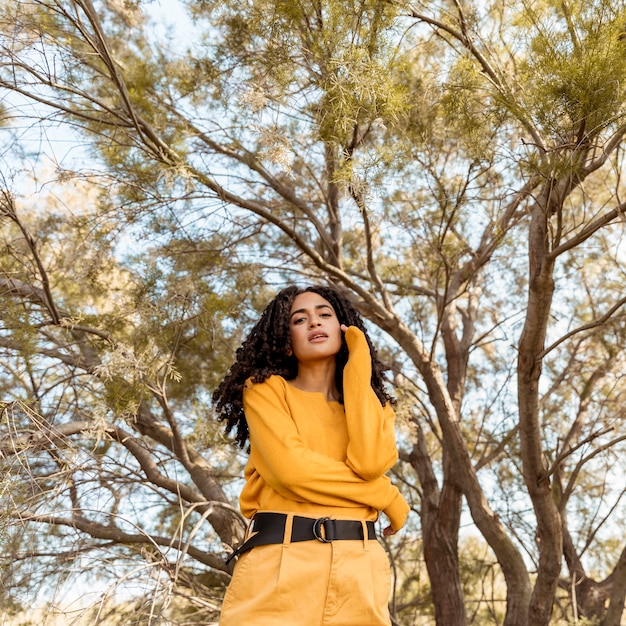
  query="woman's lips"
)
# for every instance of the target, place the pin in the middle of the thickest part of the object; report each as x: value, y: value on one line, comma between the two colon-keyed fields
x: 317, y: 336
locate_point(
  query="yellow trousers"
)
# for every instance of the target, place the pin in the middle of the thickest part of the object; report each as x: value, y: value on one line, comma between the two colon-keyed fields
x: 309, y: 583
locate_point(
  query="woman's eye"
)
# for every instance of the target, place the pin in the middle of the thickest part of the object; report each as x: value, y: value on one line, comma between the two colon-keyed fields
x: 299, y: 320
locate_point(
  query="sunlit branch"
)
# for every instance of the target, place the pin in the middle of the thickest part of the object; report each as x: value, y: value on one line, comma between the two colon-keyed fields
x: 160, y: 148
x: 150, y: 468
x: 178, y: 442
x: 249, y: 160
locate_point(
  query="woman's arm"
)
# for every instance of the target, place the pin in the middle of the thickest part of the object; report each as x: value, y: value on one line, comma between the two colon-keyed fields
x: 372, y: 448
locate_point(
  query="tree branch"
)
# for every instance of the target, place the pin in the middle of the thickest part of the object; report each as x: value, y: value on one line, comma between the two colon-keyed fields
x: 464, y: 38
x: 117, y: 535
x: 589, y: 230
x: 8, y: 206
x: 594, y: 324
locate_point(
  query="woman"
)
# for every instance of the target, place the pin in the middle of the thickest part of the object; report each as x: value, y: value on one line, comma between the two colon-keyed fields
x: 307, y: 390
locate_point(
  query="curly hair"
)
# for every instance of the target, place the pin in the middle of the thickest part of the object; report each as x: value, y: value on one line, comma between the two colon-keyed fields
x: 266, y: 351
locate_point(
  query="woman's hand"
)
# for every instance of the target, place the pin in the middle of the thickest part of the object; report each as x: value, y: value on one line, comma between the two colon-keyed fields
x: 343, y: 327
x: 389, y: 531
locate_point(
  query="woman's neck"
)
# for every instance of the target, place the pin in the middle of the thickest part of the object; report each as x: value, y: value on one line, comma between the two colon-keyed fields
x: 318, y: 376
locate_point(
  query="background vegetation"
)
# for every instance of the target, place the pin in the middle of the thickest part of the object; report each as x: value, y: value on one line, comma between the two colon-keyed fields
x: 454, y: 166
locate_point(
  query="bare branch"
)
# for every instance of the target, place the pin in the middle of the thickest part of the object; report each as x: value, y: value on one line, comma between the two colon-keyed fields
x: 369, y: 243
x: 117, y: 535
x: 570, y: 450
x: 571, y: 483
x: 589, y: 230
x: 600, y: 321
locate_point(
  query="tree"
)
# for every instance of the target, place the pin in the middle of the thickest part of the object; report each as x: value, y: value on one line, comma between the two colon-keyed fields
x: 90, y: 443
x: 454, y: 168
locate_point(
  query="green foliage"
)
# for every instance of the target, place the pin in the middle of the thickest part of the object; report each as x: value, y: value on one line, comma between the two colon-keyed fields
x: 574, y: 72
x: 465, y: 104
x: 403, y: 153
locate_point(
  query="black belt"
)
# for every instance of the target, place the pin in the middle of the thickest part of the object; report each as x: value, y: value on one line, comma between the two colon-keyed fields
x: 267, y: 528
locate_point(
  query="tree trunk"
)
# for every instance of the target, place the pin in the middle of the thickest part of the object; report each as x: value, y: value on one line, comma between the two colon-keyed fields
x: 536, y: 477
x: 442, y: 558
x: 464, y: 475
x: 617, y: 597
x: 440, y: 518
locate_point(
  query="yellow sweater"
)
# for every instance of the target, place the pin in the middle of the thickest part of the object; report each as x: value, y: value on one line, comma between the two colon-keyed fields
x: 317, y: 458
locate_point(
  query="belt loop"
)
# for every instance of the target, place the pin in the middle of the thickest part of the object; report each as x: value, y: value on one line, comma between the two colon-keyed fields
x: 249, y: 530
x: 366, y: 544
x: 288, y: 528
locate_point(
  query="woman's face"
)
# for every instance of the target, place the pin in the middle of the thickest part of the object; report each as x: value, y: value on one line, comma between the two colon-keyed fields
x: 314, y: 329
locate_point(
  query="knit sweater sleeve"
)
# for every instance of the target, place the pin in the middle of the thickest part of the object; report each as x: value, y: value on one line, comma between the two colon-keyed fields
x: 298, y: 473
x: 372, y: 448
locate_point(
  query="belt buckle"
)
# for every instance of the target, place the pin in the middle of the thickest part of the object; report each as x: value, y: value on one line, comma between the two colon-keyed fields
x: 320, y: 523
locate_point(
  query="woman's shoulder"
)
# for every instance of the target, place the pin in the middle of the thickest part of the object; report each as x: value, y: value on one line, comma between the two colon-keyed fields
x: 272, y: 390
x: 275, y: 381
